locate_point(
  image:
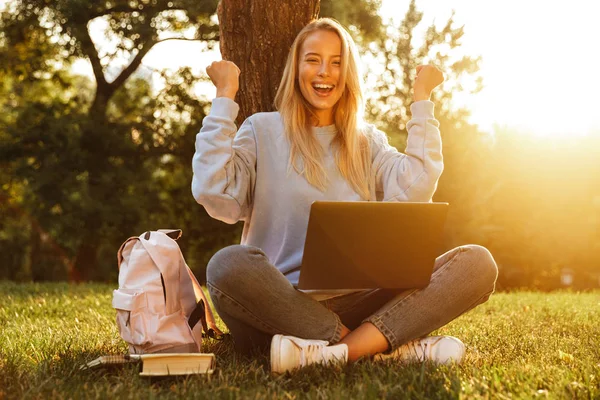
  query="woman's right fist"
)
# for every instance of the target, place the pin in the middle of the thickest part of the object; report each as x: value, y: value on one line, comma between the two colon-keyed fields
x: 225, y: 76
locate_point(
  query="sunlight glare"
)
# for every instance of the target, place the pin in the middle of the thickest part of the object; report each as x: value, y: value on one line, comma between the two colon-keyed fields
x: 537, y: 62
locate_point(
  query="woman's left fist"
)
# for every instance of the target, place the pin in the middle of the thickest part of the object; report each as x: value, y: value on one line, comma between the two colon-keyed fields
x: 428, y: 78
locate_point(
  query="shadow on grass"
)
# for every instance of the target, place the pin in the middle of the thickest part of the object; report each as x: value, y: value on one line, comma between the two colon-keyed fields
x: 376, y: 380
x: 236, y: 376
x: 363, y: 379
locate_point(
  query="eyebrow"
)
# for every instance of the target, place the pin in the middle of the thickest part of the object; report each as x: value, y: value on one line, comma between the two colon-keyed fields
x: 317, y: 54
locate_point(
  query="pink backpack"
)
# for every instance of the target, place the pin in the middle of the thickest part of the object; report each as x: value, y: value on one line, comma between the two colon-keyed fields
x: 160, y: 306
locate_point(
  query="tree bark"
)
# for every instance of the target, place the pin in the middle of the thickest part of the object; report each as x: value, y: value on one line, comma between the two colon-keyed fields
x: 256, y: 35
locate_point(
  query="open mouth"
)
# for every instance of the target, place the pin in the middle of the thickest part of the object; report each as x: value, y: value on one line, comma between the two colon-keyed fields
x: 323, y: 88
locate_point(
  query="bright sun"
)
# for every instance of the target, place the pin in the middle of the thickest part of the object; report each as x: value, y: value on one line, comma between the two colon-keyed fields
x: 539, y: 65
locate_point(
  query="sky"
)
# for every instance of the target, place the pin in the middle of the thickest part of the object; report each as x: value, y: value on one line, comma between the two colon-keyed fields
x: 539, y: 60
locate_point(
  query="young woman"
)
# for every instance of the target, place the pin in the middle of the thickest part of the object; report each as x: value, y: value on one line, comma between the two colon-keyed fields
x: 316, y: 147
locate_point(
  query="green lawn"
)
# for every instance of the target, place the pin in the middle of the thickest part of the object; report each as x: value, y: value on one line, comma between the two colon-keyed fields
x: 520, y: 345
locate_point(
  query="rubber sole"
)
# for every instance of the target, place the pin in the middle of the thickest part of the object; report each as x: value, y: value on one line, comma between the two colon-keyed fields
x: 275, y: 352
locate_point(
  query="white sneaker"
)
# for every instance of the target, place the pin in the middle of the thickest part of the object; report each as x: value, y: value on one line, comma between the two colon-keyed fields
x: 439, y: 349
x: 289, y: 353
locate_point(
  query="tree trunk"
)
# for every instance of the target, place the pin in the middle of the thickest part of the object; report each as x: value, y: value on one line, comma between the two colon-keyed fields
x: 256, y: 35
x: 86, y: 258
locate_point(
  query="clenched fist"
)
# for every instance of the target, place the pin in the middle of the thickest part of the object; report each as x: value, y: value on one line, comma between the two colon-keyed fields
x: 225, y: 76
x: 428, y: 78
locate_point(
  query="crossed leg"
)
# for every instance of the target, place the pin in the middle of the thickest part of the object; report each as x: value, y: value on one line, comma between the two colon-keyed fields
x: 256, y: 302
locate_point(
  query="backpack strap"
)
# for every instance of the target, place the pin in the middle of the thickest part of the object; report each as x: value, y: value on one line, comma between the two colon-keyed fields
x: 120, y: 252
x: 203, y: 312
x: 163, y: 259
x: 172, y: 233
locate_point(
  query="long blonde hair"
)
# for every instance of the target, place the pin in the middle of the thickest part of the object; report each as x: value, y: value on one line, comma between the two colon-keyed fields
x: 352, y: 154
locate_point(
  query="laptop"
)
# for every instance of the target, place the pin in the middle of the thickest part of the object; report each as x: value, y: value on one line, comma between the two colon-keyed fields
x: 370, y: 245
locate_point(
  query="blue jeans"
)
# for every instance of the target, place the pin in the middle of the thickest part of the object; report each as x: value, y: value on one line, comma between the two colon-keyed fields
x: 256, y: 301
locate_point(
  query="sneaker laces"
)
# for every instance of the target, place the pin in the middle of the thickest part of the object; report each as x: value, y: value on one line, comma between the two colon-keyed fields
x: 424, y: 346
x: 313, y: 352
x: 415, y: 349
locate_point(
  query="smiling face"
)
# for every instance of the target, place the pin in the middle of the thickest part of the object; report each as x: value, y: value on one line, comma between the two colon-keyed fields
x: 319, y: 65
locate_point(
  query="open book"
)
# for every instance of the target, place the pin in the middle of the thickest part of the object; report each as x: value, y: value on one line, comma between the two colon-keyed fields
x: 161, y: 364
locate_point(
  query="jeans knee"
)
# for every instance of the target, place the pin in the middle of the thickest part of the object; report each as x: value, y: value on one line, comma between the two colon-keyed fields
x: 485, y: 270
x: 222, y: 264
x: 229, y: 265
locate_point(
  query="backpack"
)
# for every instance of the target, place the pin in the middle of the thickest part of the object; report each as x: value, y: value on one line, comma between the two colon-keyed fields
x: 160, y: 306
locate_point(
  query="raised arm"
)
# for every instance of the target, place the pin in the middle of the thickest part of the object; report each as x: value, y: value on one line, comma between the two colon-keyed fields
x: 224, y: 163
x: 413, y: 175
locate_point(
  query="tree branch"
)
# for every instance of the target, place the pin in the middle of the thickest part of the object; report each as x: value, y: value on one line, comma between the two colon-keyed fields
x: 130, y: 69
x: 127, y: 72
x: 196, y: 39
x: 179, y: 38
x: 90, y: 51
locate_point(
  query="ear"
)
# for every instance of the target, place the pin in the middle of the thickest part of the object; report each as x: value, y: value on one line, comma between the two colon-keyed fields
x: 172, y: 233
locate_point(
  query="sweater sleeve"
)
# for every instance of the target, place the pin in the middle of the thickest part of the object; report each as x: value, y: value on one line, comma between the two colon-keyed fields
x: 412, y: 176
x: 224, y: 163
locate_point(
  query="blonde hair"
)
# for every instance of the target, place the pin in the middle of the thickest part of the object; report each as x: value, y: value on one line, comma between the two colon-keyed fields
x: 353, y: 155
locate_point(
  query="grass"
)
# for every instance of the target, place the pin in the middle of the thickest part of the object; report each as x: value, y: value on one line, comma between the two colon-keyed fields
x: 520, y: 345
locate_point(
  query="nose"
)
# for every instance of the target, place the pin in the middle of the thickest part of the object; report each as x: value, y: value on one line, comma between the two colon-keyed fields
x: 324, y: 70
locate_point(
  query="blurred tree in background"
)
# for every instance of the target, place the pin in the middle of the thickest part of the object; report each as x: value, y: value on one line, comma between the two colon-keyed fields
x: 87, y: 162
x: 542, y: 215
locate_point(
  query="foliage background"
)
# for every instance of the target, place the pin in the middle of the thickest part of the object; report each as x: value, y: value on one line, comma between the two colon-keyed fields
x: 86, y: 163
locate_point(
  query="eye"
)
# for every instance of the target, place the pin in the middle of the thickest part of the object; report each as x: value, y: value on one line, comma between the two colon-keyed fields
x: 311, y: 60
x: 338, y: 63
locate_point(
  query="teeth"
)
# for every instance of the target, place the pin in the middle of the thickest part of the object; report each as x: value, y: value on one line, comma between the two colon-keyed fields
x: 322, y: 86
